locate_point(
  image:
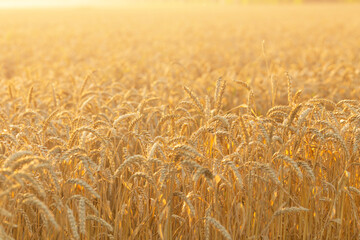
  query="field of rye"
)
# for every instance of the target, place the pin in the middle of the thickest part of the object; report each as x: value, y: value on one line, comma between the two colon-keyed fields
x: 194, y: 122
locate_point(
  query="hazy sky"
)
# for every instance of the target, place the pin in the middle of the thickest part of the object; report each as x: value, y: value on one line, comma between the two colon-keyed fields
x: 40, y: 3
x: 29, y: 3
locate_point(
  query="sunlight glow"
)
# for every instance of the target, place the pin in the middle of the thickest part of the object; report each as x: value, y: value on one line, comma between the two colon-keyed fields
x: 44, y: 3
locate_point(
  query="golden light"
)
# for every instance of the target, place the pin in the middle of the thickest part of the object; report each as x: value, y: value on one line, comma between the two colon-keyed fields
x: 51, y: 3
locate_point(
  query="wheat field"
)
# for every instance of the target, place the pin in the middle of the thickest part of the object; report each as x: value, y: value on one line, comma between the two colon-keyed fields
x: 186, y: 122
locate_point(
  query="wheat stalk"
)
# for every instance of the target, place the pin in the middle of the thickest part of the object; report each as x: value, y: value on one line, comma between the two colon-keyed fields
x: 219, y: 227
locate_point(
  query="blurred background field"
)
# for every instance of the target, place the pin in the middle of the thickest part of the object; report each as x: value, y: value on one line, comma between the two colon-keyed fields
x: 317, y: 44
